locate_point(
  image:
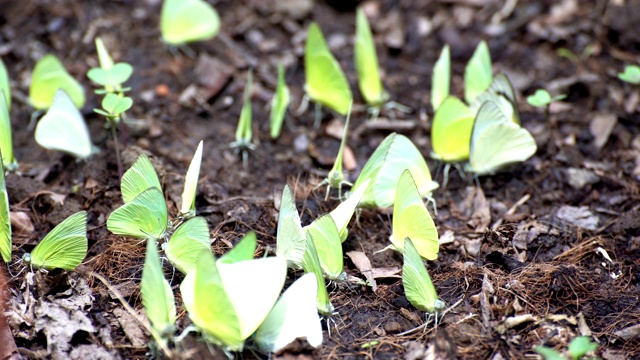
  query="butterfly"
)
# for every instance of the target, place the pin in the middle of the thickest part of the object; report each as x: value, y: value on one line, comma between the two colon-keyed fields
x: 187, y: 243
x: 328, y: 245
x: 5, y: 85
x: 311, y: 264
x: 496, y: 141
x: 244, y: 133
x: 5, y: 219
x: 63, y: 128
x: 440, y: 78
x: 335, y: 178
x: 279, y: 104
x: 188, y: 205
x: 243, y: 250
x: 290, y: 238
x: 228, y: 302
x: 325, y: 82
x: 383, y: 169
x: 6, y: 141
x: 417, y: 284
x: 157, y: 297
x: 49, y: 75
x: 183, y: 21
x: 366, y: 62
x: 411, y: 219
x: 477, y: 74
x: 64, y: 247
x: 293, y: 316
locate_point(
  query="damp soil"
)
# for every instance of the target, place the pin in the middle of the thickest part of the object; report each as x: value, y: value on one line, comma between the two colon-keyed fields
x: 516, y: 270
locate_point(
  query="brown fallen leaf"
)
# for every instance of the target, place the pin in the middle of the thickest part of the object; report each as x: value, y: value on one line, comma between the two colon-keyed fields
x: 481, y: 216
x: 363, y: 264
x: 21, y: 222
x: 601, y: 127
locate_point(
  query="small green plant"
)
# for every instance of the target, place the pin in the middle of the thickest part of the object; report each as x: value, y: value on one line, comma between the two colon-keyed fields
x: 113, y: 108
x: 578, y: 349
x: 109, y: 75
x: 631, y: 74
x: 244, y: 133
x: 542, y: 98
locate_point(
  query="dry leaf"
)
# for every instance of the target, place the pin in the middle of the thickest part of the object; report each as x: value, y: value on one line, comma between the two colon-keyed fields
x: 363, y: 264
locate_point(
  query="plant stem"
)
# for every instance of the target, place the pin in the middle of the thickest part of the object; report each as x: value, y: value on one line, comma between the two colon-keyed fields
x: 115, y: 142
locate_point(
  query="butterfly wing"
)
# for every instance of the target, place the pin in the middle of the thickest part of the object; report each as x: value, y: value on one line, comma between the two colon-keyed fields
x: 451, y: 130
x: 370, y: 172
x: 253, y: 286
x: 412, y: 219
x: 417, y: 283
x: 157, y: 296
x: 5, y: 219
x: 244, y: 250
x: 294, y: 316
x: 477, y: 74
x: 145, y: 216
x: 502, y: 94
x: 343, y: 213
x: 140, y: 177
x: 188, y: 205
x: 5, y: 85
x: 49, y: 75
x: 366, y: 62
x: 183, y: 21
x: 326, y: 238
x: 311, y: 264
x: 325, y: 81
x: 440, y: 79
x: 65, y: 246
x: 279, y: 104
x: 63, y: 128
x: 6, y: 141
x: 290, y: 238
x: 496, y: 141
x: 187, y: 244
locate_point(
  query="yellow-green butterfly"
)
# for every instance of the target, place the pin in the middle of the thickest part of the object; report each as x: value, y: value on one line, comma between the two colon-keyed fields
x: 440, y: 79
x: 311, y: 264
x: 183, y: 21
x: 290, y: 239
x: 279, y: 104
x: 451, y: 130
x: 411, y: 219
x: 64, y: 247
x: 335, y: 178
x: 63, y: 128
x: 502, y: 94
x: 366, y: 62
x: 496, y: 141
x: 4, y: 83
x: 140, y: 177
x: 144, y: 216
x: 188, y: 205
x: 325, y: 82
x: 326, y: 239
x: 243, y: 250
x: 6, y: 141
x: 477, y: 74
x: 416, y: 281
x: 5, y: 219
x: 244, y: 133
x: 228, y: 302
x: 395, y: 154
x: 49, y: 75
x: 293, y: 316
x: 343, y: 213
x: 157, y: 296
x: 188, y: 243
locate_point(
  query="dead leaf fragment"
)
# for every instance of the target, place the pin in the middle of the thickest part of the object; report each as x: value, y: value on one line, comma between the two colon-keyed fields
x: 601, y: 127
x: 363, y: 264
x: 481, y: 216
x: 130, y: 326
x: 578, y: 216
x: 21, y: 222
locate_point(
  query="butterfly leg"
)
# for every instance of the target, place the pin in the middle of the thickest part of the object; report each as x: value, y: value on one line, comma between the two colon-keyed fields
x: 318, y: 116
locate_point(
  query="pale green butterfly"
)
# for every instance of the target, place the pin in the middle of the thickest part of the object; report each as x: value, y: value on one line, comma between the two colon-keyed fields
x: 279, y: 104
x: 140, y: 177
x: 311, y: 264
x: 366, y: 62
x: 343, y: 213
x: 417, y: 284
x: 157, y: 296
x: 496, y: 141
x: 244, y: 133
x: 63, y: 128
x: 502, y: 94
x: 328, y: 244
x: 325, y: 82
x: 49, y: 75
x: 64, y: 247
x: 187, y: 244
x: 6, y: 141
x: 183, y: 21
x: 290, y: 239
x: 451, y: 130
x: 411, y: 219
x: 243, y: 250
x: 5, y: 219
x: 294, y: 316
x: 477, y: 74
x: 395, y: 154
x: 440, y: 79
x: 228, y: 302
x: 144, y: 216
x: 188, y: 205
x: 335, y: 178
x: 4, y: 83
